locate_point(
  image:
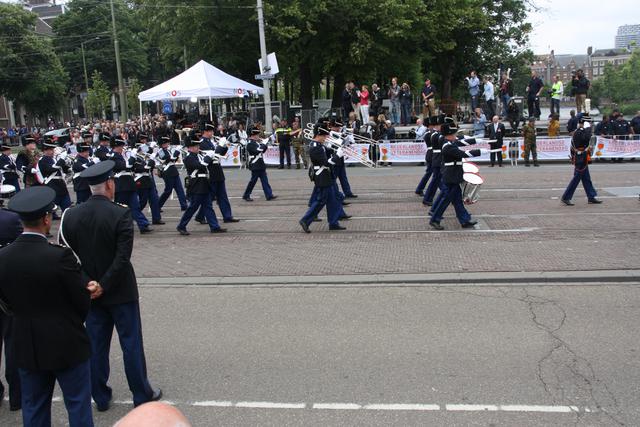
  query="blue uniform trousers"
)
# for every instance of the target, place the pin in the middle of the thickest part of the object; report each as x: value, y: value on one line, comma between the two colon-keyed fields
x: 336, y: 196
x: 441, y: 196
x: 341, y: 174
x: 255, y: 175
x: 11, y: 373
x: 436, y: 176
x: 12, y: 181
x: 425, y: 178
x: 150, y: 195
x: 584, y: 176
x: 37, y: 391
x: 126, y: 319
x: 219, y: 193
x: 82, y: 196
x: 321, y: 197
x: 452, y: 194
x: 130, y: 198
x: 170, y: 184
x: 199, y: 201
x: 63, y: 202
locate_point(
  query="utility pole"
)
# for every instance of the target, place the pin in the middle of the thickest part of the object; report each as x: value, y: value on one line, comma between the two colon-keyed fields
x: 84, y: 65
x: 268, y: 118
x: 116, y: 45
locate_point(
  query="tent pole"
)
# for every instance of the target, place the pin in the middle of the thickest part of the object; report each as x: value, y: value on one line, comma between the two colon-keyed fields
x: 141, y: 120
x: 210, y: 111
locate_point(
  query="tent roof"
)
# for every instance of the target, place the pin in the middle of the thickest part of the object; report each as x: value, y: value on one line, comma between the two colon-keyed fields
x: 203, y: 80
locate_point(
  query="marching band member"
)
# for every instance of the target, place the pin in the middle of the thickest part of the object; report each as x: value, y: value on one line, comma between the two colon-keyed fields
x: 580, y: 158
x: 145, y: 182
x: 428, y: 157
x: 125, y: 185
x: 256, y: 149
x: 80, y: 164
x: 103, y: 150
x: 87, y: 138
x: 53, y: 170
x: 170, y: 174
x: 216, y: 177
x: 339, y: 169
x: 324, y: 183
x: 8, y: 168
x: 436, y: 165
x: 27, y: 160
x: 198, y: 188
x: 452, y: 157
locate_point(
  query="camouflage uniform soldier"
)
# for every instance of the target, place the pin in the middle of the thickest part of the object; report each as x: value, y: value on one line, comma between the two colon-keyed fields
x: 529, y: 133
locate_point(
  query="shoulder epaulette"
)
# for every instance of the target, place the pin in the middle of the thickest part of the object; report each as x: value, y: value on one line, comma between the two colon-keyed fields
x: 58, y: 245
x: 121, y: 205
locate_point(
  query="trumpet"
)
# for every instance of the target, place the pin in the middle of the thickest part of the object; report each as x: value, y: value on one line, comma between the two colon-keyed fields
x: 335, y: 141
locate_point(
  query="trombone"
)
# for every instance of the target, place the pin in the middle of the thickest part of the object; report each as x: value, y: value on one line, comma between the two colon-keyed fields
x: 334, y: 139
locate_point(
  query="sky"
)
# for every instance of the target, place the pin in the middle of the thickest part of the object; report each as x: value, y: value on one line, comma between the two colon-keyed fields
x: 571, y: 26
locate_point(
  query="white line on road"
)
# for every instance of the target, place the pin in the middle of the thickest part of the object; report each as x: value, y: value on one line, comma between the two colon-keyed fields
x: 340, y: 406
x: 466, y: 231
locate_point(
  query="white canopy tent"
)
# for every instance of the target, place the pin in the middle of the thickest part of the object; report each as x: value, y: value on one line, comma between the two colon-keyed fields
x: 203, y: 80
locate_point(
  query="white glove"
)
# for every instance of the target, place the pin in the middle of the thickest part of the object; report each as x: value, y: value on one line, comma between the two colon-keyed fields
x: 209, y: 153
x: 222, y: 142
x: 63, y: 155
x: 340, y: 152
x: 484, y: 151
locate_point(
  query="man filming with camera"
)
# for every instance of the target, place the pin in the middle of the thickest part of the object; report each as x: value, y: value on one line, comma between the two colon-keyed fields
x: 581, y: 87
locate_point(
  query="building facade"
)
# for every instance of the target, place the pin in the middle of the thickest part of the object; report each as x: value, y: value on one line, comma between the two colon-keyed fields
x: 628, y: 37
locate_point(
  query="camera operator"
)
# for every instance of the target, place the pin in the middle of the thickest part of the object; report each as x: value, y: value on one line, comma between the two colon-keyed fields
x: 533, y: 95
x: 581, y: 86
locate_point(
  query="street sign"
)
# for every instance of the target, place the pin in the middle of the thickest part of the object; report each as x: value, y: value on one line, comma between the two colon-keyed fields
x: 265, y: 76
x: 167, y: 108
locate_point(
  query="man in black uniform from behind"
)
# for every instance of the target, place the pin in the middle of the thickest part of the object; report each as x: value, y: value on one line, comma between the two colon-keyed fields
x: 100, y: 233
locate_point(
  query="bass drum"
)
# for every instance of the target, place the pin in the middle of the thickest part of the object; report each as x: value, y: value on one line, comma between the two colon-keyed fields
x: 471, y: 187
x: 470, y: 167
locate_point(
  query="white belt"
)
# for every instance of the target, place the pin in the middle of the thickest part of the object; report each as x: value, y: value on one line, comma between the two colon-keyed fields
x: 76, y: 175
x: 319, y: 169
x: 255, y: 158
x: 119, y: 174
x: 452, y: 163
x: 140, y: 175
x: 437, y: 151
x: 429, y: 148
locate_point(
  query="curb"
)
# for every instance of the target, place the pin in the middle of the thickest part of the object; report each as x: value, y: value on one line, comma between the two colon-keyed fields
x: 539, y: 277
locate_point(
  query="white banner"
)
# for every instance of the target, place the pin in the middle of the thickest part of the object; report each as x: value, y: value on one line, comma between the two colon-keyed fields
x: 233, y: 157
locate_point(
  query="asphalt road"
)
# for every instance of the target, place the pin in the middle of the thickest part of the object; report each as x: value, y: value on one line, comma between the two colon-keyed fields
x: 523, y: 352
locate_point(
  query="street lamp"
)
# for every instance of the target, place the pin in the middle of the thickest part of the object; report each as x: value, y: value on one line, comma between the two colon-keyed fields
x: 84, y: 62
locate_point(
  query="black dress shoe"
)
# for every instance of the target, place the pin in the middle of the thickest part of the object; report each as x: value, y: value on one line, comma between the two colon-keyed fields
x: 337, y: 227
x: 146, y: 230
x: 567, y: 202
x: 280, y: 167
x: 316, y: 219
x: 345, y: 203
x: 469, y: 224
x: 15, y: 407
x: 346, y: 216
x: 427, y: 203
x: 595, y: 201
x: 159, y: 222
x: 231, y: 220
x: 105, y: 407
x: 351, y: 196
x: 202, y: 221
x: 536, y: 165
x: 247, y: 199
x: 157, y: 395
x: 219, y: 230
x: 272, y: 198
x: 436, y: 225
x: 183, y: 232
x: 304, y: 226
x: 527, y: 164
x: 418, y: 193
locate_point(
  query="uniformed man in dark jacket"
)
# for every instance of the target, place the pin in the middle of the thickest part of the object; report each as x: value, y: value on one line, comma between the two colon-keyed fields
x: 170, y: 174
x: 103, y: 149
x: 452, y: 173
x: 436, y: 165
x: 53, y: 170
x: 105, y: 257
x: 10, y: 229
x: 217, y: 184
x: 580, y: 155
x: 125, y: 192
x: 199, y: 187
x: 428, y: 157
x: 81, y: 163
x: 49, y: 305
x: 256, y: 149
x: 8, y: 168
x: 148, y: 166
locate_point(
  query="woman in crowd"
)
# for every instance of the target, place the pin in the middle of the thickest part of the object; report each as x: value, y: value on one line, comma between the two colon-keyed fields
x: 364, y: 104
x: 406, y: 100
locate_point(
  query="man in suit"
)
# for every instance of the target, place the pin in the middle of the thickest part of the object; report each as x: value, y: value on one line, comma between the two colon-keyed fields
x: 495, y: 131
x: 49, y: 305
x: 105, y: 256
x: 10, y: 229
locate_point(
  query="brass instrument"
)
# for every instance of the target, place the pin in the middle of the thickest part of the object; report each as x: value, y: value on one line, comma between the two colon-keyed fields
x: 336, y: 142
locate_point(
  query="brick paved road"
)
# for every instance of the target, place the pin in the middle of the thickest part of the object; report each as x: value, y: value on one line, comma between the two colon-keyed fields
x: 523, y: 227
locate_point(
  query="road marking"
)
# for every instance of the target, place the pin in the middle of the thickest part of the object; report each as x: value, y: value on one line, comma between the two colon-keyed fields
x: 340, y: 406
x: 465, y: 231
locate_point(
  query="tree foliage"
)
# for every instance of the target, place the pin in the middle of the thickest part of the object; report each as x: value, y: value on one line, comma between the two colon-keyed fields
x: 133, y: 90
x: 620, y: 85
x: 89, y: 22
x: 98, y: 100
x: 30, y: 73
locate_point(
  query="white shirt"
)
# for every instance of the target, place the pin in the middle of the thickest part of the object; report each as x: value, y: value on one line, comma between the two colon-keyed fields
x: 488, y: 91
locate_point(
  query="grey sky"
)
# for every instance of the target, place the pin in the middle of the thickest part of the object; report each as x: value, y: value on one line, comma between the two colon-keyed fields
x: 568, y: 26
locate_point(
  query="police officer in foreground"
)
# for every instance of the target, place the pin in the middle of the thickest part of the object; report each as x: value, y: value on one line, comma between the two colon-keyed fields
x: 10, y: 229
x: 452, y: 173
x: 105, y: 256
x: 580, y: 156
x: 50, y: 342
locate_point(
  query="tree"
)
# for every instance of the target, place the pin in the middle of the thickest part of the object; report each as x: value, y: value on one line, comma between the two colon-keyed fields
x: 89, y: 22
x: 133, y: 90
x: 30, y: 73
x: 98, y: 96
